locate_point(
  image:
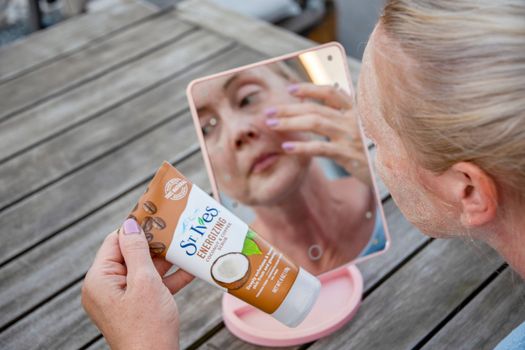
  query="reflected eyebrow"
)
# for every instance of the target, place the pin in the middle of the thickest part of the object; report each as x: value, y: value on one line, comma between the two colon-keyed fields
x: 230, y: 81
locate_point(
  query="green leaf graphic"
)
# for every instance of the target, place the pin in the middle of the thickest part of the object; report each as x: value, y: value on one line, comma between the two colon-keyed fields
x: 250, y: 234
x: 201, y: 222
x: 250, y: 247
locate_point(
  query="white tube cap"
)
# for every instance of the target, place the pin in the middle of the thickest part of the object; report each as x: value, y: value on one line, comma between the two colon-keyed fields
x: 300, y: 299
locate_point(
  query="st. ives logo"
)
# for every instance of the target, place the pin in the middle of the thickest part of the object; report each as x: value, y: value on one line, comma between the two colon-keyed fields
x: 176, y: 189
x: 195, y: 227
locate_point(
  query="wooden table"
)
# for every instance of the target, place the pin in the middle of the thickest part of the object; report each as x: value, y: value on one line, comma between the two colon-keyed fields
x: 88, y: 111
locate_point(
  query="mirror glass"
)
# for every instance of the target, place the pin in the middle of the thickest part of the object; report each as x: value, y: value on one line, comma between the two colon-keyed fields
x: 285, y: 153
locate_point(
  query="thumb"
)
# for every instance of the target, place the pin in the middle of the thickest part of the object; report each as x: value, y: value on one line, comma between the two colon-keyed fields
x: 134, y: 248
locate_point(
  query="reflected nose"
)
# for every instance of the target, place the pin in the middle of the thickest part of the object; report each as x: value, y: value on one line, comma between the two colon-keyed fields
x: 243, y: 133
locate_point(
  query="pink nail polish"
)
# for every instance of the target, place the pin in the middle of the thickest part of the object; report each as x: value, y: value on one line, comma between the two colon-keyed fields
x: 293, y: 88
x: 271, y: 111
x: 131, y: 227
x: 288, y: 146
x: 272, y: 122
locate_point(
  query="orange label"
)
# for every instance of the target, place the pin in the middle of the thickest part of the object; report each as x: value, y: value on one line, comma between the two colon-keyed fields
x: 271, y: 275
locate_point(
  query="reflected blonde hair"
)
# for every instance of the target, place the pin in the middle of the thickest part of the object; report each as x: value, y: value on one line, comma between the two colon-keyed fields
x: 465, y: 96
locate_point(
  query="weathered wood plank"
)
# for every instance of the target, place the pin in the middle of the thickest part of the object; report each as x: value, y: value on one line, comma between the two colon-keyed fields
x: 77, y: 147
x: 68, y: 200
x: 100, y: 344
x: 91, y: 99
x: 411, y: 302
x: 58, y: 258
x: 487, y: 319
x: 66, y: 37
x: 58, y: 325
x: 61, y: 323
x: 64, y: 73
x: 270, y: 40
x: 224, y: 339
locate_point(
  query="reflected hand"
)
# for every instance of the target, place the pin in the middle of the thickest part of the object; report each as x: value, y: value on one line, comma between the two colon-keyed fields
x: 126, y: 297
x: 335, y: 119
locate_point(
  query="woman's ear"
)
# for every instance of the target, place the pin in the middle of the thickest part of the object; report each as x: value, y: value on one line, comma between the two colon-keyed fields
x: 477, y: 194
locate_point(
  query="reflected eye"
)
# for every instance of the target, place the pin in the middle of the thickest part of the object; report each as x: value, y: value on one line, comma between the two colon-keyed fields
x: 248, y: 95
x: 209, y: 127
x: 248, y: 100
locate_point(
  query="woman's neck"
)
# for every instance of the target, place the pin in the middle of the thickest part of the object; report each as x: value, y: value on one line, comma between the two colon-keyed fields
x: 508, y: 238
x: 303, y: 213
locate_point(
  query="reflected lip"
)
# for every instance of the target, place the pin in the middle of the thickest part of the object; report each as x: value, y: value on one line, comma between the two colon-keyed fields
x: 263, y: 162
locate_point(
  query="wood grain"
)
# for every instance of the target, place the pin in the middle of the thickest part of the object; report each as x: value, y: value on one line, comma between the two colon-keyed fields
x: 91, y: 99
x: 100, y: 344
x: 487, y: 319
x: 79, y: 146
x: 72, y: 198
x: 414, y: 300
x: 66, y: 37
x: 64, y: 73
x: 60, y: 324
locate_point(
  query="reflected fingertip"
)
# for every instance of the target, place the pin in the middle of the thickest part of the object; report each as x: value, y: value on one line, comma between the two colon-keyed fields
x: 288, y: 146
x: 271, y: 122
x: 292, y: 89
x: 270, y: 111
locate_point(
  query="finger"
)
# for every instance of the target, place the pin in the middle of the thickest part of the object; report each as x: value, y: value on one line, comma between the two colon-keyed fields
x: 309, y: 122
x: 177, y: 280
x: 162, y: 265
x: 134, y: 247
x: 109, y: 250
x: 330, y: 95
x: 342, y: 155
x: 352, y: 160
x: 294, y: 109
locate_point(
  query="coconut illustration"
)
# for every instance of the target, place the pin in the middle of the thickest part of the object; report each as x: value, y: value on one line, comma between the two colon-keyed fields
x: 231, y: 270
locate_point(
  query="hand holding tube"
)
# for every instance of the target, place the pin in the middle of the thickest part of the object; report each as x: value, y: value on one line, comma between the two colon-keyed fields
x: 126, y: 296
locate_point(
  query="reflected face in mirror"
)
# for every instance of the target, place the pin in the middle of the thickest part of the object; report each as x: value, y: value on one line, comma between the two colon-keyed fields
x: 247, y: 155
x: 315, y: 201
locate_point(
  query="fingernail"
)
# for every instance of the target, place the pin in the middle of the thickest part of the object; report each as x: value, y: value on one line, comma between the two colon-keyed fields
x: 271, y: 111
x: 272, y: 122
x: 131, y: 227
x: 288, y: 146
x: 293, y: 88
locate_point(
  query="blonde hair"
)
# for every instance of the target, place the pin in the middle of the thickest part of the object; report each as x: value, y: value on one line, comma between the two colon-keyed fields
x: 466, y: 96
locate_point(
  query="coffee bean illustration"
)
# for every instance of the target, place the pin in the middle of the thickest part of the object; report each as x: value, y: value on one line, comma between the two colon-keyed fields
x: 158, y: 223
x: 147, y: 224
x: 156, y: 248
x: 149, y: 207
x: 149, y: 236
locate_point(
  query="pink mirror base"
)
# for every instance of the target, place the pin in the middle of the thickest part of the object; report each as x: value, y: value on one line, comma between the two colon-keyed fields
x: 338, y: 302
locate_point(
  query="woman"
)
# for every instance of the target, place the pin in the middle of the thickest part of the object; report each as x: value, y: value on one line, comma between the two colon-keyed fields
x: 254, y: 124
x: 442, y: 94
